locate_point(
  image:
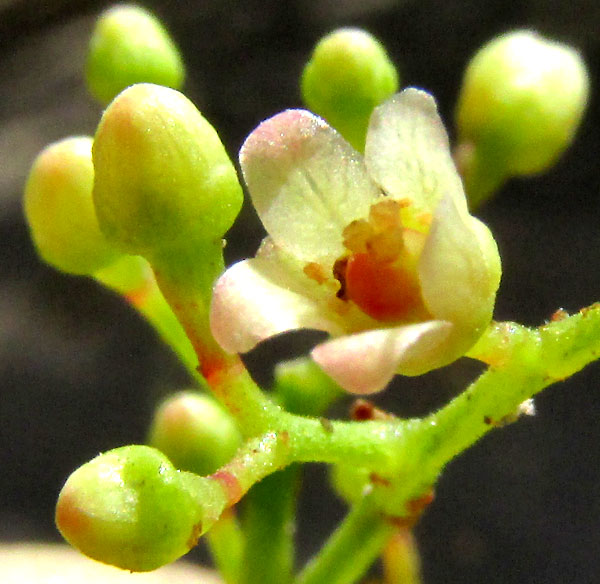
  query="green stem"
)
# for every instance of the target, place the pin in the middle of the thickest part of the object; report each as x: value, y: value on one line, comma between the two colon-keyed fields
x: 269, y: 529
x: 270, y: 506
x: 187, y: 286
x: 226, y: 545
x: 351, y: 549
x: 412, y: 453
x: 524, y: 361
x: 186, y: 281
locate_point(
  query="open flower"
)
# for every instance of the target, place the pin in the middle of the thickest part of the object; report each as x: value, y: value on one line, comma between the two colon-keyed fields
x: 379, y: 251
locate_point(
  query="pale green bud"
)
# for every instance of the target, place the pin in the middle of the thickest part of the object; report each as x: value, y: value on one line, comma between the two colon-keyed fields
x: 60, y: 211
x: 521, y: 102
x: 348, y: 75
x: 129, y: 45
x: 195, y: 432
x: 163, y: 177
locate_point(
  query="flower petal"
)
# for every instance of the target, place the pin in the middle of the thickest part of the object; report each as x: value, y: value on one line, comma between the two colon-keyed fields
x: 307, y: 183
x: 459, y: 269
x: 261, y: 297
x: 366, y: 362
x: 407, y: 151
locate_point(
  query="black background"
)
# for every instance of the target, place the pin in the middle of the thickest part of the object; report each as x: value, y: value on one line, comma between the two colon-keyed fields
x: 79, y: 372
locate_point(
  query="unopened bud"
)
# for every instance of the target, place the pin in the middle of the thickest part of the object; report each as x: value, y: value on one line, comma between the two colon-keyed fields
x: 348, y: 75
x: 60, y: 211
x: 195, y: 432
x: 521, y: 103
x: 130, y: 508
x: 129, y: 45
x: 163, y: 177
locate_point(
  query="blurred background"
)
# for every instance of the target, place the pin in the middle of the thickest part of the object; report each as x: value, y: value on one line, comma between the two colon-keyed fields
x: 80, y: 372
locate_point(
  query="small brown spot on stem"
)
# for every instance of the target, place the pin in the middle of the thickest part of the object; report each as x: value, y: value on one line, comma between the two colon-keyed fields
x: 138, y: 296
x: 414, y: 508
x: 418, y: 505
x: 362, y: 410
x: 584, y: 311
x: 377, y: 479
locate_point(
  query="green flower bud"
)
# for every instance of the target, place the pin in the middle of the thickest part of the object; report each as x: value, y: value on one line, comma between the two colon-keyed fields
x: 60, y: 211
x: 304, y: 388
x: 129, y: 46
x: 130, y: 508
x: 349, y: 73
x: 195, y: 432
x: 163, y: 178
x: 521, y: 102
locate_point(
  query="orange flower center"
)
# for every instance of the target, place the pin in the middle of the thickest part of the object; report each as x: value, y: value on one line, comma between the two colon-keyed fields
x: 380, y: 272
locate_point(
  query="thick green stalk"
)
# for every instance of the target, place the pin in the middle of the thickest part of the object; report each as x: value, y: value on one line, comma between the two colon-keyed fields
x: 270, y: 506
x: 186, y: 282
x: 352, y: 548
x: 226, y: 544
x: 269, y: 528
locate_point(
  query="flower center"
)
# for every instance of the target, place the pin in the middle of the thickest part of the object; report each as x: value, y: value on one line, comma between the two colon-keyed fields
x: 380, y: 272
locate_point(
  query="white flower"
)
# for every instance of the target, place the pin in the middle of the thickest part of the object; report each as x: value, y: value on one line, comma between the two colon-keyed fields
x: 379, y: 251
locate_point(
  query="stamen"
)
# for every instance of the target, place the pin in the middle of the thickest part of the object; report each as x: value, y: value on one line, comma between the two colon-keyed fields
x: 356, y: 236
x: 385, y: 215
x: 386, y: 246
x: 315, y: 272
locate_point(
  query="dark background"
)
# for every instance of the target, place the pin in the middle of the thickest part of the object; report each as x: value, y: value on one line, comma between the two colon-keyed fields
x: 79, y: 372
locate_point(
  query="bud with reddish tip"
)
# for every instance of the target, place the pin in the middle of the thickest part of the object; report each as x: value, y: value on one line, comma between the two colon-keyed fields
x: 60, y: 211
x: 129, y: 507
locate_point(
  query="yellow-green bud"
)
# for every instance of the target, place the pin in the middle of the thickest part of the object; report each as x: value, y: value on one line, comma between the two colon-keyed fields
x: 130, y: 508
x: 521, y: 102
x: 129, y: 45
x: 60, y: 211
x: 163, y: 177
x: 349, y: 73
x: 195, y: 432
